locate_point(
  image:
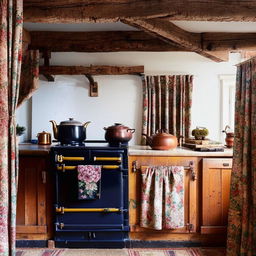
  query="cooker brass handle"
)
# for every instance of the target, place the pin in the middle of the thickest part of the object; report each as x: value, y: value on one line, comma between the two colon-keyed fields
x: 61, y: 158
x: 63, y: 210
x: 97, y: 158
x: 63, y: 167
x: 110, y: 166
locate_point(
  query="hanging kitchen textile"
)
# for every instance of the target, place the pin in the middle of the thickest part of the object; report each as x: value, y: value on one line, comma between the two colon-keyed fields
x: 241, y: 233
x: 11, y: 25
x: 89, y: 181
x: 167, y: 102
x: 162, y: 197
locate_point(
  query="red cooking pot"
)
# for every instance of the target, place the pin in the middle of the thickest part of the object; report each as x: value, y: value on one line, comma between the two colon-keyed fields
x: 118, y: 133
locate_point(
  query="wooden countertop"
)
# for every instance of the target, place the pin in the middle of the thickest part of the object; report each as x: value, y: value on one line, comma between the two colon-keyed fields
x: 34, y: 149
x: 147, y: 151
x: 37, y: 150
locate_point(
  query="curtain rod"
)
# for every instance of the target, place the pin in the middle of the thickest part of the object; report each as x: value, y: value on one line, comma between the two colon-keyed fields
x: 178, y: 74
x: 243, y: 62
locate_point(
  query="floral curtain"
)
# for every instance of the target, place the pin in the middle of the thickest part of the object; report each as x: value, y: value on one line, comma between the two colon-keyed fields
x: 241, y: 240
x: 167, y: 104
x: 162, y: 197
x: 29, y: 80
x: 10, y: 63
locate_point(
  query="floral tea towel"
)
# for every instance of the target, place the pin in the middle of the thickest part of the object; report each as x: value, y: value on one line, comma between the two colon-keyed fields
x: 88, y: 181
x: 162, y: 197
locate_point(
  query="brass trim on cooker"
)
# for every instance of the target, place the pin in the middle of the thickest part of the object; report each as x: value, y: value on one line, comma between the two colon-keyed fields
x: 62, y: 210
x: 61, y: 158
x: 97, y: 158
x: 63, y: 167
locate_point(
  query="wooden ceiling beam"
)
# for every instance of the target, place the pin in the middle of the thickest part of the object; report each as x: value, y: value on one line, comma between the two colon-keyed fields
x: 108, y: 41
x: 91, y: 70
x: 174, y: 35
x: 229, y: 41
x: 75, y: 11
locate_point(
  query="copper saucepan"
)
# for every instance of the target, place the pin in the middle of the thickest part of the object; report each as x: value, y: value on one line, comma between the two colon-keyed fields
x: 44, y: 138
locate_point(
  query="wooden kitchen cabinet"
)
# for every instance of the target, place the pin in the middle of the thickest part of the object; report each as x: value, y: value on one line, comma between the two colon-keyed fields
x: 33, y: 198
x: 216, y: 174
x: 190, y: 204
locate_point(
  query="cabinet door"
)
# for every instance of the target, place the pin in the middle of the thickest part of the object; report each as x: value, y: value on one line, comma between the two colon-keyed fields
x: 216, y: 176
x: 31, y: 198
x: 190, y: 206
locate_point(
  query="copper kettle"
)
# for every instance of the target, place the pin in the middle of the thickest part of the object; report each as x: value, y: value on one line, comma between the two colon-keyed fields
x: 161, y: 140
x: 44, y: 138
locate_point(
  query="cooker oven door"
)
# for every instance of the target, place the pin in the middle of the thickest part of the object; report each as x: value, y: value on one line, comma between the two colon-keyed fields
x: 105, y: 212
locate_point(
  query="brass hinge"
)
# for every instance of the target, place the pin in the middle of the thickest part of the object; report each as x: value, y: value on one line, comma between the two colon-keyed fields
x: 190, y: 227
x: 135, y: 167
x: 61, y: 225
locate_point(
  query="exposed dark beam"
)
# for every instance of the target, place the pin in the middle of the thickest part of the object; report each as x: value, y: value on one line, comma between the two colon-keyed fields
x: 229, y: 41
x: 91, y: 70
x: 172, y: 34
x: 75, y: 11
x: 110, y: 41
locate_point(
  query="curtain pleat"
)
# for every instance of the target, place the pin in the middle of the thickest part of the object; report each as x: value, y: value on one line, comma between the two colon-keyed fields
x: 10, y: 65
x: 241, y: 237
x: 167, y: 104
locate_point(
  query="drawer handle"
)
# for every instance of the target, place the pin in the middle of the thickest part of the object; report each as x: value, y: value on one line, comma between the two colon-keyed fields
x: 225, y: 164
x: 61, y: 158
x: 97, y: 158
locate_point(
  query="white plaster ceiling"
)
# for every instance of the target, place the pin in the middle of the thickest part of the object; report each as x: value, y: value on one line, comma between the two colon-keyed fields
x: 191, y: 26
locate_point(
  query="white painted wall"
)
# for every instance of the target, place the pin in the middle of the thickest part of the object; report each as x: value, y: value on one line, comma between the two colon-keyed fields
x: 120, y: 97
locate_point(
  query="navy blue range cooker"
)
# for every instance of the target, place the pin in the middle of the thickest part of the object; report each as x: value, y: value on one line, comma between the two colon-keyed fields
x: 92, y: 214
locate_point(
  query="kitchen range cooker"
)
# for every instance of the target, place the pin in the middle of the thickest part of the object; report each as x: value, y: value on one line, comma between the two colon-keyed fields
x: 100, y: 219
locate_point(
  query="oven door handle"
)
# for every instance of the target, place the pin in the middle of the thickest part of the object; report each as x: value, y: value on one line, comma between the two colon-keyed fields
x: 62, y: 210
x: 99, y: 158
x: 64, y: 167
x: 61, y: 158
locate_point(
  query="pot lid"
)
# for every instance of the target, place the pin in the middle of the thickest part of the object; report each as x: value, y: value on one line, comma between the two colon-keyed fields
x: 43, y: 132
x: 117, y: 126
x: 71, y: 121
x: 162, y: 133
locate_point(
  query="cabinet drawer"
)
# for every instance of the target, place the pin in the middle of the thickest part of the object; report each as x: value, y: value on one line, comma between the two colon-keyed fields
x: 218, y: 163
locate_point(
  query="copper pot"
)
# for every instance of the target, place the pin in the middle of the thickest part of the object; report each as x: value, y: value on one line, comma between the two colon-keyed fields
x: 162, y: 140
x: 44, y: 138
x: 118, y: 133
x: 229, y: 139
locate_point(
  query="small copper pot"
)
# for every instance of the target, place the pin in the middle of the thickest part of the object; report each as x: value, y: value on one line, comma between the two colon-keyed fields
x: 118, y: 133
x: 229, y: 139
x: 44, y: 138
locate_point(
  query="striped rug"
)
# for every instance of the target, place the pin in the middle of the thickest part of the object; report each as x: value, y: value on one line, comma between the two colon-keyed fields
x: 109, y: 252
x: 123, y: 252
